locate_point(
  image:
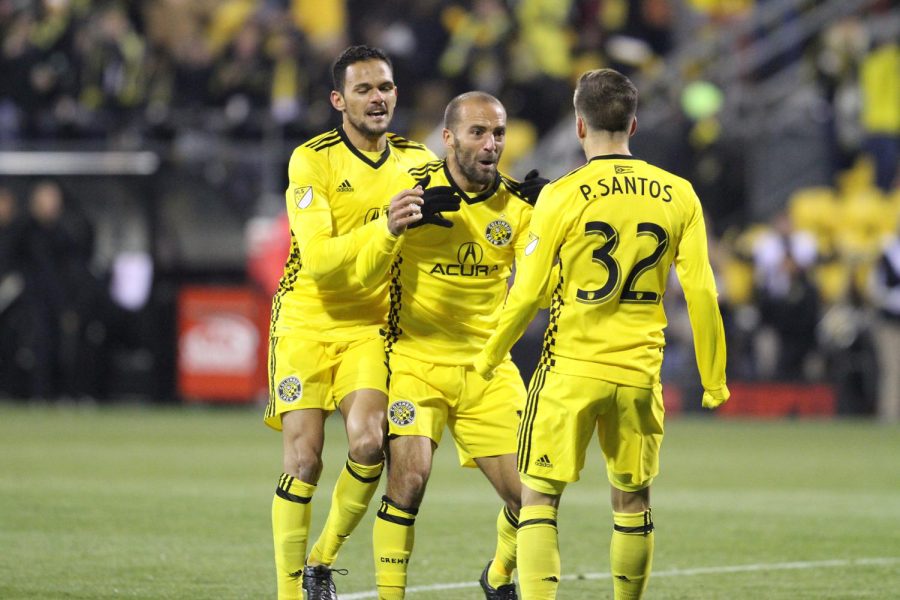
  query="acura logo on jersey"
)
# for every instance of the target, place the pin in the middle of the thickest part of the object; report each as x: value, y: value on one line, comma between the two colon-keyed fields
x: 470, y: 253
x: 469, y: 257
x: 303, y: 196
x: 498, y: 232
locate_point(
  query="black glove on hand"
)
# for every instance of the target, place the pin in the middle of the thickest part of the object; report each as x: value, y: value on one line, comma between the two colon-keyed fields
x: 434, y: 201
x: 531, y: 186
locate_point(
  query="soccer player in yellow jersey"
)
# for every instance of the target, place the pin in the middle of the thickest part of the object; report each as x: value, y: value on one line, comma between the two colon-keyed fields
x: 448, y: 285
x: 615, y: 226
x: 325, y: 350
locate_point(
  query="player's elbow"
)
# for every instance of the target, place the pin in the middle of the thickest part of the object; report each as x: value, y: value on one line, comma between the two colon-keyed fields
x: 701, y: 296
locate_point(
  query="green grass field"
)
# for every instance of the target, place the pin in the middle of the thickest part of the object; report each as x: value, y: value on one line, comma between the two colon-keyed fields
x: 174, y: 503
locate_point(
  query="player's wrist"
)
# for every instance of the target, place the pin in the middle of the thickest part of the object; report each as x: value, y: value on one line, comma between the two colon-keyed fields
x: 483, y: 367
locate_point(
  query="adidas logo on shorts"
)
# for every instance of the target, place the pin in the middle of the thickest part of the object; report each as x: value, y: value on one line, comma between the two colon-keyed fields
x: 543, y: 461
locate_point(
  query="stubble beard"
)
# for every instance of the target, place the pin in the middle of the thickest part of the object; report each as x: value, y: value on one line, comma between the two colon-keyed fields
x: 368, y: 132
x: 470, y: 169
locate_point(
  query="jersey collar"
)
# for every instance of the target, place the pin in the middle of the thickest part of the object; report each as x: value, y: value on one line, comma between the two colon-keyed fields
x: 613, y: 157
x: 465, y: 195
x: 360, y: 155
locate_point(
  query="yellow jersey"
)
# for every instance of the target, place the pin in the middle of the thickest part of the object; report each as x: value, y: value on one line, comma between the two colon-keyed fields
x: 336, y: 197
x: 448, y: 285
x: 615, y: 225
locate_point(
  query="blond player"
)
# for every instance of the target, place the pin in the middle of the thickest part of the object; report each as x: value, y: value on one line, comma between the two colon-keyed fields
x: 325, y: 351
x: 615, y: 226
x: 448, y: 285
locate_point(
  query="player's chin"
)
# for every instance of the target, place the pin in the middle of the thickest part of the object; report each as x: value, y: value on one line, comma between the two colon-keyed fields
x: 486, y: 172
x: 378, y: 123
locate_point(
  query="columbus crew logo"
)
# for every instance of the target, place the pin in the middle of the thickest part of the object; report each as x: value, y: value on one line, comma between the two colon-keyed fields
x: 290, y: 389
x: 498, y: 232
x: 402, y: 412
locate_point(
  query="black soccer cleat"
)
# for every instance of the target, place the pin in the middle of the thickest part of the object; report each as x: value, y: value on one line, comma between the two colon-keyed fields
x: 318, y: 584
x: 504, y: 592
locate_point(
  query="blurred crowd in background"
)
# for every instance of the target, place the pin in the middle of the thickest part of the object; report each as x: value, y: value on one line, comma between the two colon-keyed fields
x: 808, y: 276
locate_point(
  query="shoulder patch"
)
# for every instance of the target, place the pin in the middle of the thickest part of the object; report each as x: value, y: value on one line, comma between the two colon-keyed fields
x: 303, y: 196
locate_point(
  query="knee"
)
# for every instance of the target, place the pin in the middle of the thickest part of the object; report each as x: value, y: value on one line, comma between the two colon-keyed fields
x: 408, y: 488
x: 367, y: 447
x: 303, y: 462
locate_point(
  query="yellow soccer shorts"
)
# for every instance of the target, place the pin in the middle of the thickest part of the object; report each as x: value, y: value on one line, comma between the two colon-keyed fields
x: 482, y: 415
x: 561, y: 414
x: 314, y: 374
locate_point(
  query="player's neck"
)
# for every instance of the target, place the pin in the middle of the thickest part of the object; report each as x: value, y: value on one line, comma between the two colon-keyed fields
x: 602, y: 143
x: 363, y: 142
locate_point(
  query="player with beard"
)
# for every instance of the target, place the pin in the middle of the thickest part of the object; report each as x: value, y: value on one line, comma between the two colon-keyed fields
x: 448, y: 285
x: 325, y: 350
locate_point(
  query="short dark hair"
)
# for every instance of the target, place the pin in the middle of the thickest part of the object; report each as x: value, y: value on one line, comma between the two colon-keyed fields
x: 606, y: 100
x: 451, y: 113
x: 351, y: 55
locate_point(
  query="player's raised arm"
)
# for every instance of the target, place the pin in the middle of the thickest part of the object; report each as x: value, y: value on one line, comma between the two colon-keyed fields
x: 533, y: 272
x: 696, y: 277
x: 530, y: 190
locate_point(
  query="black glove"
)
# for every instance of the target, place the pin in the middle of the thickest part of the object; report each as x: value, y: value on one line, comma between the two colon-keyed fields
x: 435, y: 200
x: 531, y: 186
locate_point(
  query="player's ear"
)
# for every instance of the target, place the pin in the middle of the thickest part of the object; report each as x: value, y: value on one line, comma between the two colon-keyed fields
x: 337, y: 101
x: 580, y: 127
x: 447, y: 136
x: 633, y: 129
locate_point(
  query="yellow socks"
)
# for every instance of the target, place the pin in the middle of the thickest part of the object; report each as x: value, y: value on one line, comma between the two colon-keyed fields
x: 352, y: 493
x: 631, y: 554
x: 504, y: 561
x: 392, y: 542
x: 539, y: 568
x: 291, y: 511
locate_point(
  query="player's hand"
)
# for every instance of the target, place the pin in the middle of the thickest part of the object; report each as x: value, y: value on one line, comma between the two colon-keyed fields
x: 482, y: 368
x: 532, y: 185
x: 436, y: 200
x: 715, y: 398
x: 404, y: 210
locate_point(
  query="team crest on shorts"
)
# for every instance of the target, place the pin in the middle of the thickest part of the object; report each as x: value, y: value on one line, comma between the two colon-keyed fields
x: 290, y: 389
x: 402, y: 412
x: 498, y: 232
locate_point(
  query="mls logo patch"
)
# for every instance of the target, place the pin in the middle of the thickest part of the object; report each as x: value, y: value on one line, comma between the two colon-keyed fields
x: 303, y: 196
x: 498, y: 232
x: 290, y: 389
x: 402, y: 412
x: 532, y: 245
